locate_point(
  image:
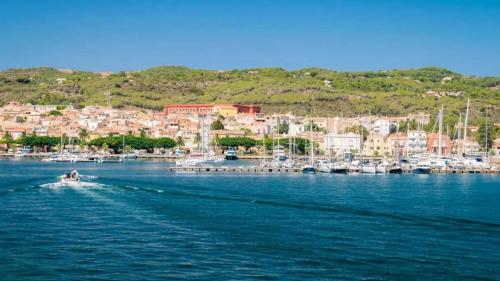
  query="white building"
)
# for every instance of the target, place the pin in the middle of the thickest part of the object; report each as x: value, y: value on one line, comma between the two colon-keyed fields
x: 341, y: 143
x: 416, y: 142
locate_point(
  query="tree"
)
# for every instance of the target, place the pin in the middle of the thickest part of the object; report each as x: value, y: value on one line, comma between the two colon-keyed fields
x: 237, y: 142
x: 8, y: 139
x: 179, y: 141
x: 217, y: 125
x: 55, y: 113
x: 283, y: 128
x: 142, y: 133
x: 83, y: 135
x: 486, y: 135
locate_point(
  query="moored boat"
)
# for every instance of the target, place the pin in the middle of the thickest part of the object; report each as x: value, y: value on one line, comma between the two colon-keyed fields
x: 422, y: 168
x: 308, y: 169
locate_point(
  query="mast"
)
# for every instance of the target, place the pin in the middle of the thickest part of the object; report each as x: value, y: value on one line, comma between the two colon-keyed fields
x: 465, y: 125
x: 407, y: 138
x: 486, y: 139
x: 440, y: 137
x: 312, y: 145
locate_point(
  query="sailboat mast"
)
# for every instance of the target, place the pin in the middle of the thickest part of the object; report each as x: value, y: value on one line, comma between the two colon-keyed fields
x: 465, y: 125
x: 486, y: 139
x: 312, y: 146
x: 440, y: 137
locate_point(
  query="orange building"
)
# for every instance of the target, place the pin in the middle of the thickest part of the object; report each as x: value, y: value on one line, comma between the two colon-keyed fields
x: 188, y: 108
x: 433, y: 144
x: 201, y: 109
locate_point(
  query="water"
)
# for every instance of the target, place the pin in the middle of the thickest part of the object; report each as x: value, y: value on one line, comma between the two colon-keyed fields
x: 136, y: 221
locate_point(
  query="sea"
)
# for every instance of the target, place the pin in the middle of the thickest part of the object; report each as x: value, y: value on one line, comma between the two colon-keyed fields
x: 138, y: 221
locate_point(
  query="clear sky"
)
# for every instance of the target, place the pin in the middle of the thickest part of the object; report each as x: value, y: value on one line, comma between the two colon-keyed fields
x: 103, y: 35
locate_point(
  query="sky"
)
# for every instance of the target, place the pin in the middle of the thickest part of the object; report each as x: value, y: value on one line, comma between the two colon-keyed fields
x: 355, y: 35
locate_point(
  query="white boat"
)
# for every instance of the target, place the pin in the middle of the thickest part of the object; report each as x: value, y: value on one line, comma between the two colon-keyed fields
x: 368, y: 169
x: 231, y: 155
x: 325, y: 166
x: 422, y: 167
x: 71, y: 177
x: 129, y: 156
x: 381, y: 169
x: 308, y: 169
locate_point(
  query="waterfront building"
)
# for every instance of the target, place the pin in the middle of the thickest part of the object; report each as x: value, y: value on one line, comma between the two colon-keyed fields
x: 397, y: 144
x: 416, y: 142
x: 376, y: 145
x: 433, y: 144
x: 339, y: 144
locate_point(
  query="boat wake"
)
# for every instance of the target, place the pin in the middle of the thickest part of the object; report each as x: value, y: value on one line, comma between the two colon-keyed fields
x: 76, y: 185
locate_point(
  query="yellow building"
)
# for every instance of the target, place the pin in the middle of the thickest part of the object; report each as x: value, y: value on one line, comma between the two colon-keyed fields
x: 376, y: 145
x: 226, y: 110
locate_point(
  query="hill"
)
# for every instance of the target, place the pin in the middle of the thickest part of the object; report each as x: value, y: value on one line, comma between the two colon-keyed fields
x: 320, y: 91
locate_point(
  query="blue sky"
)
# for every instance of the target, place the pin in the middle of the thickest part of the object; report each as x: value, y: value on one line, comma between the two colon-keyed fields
x: 344, y: 35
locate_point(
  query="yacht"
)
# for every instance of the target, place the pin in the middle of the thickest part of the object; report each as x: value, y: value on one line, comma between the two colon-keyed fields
x: 423, y: 167
x: 369, y: 168
x: 381, y: 168
x: 325, y: 166
x: 339, y: 168
x: 395, y: 169
x: 308, y: 169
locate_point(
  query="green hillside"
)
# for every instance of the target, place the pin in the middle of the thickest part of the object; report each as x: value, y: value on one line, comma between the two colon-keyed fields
x: 392, y: 92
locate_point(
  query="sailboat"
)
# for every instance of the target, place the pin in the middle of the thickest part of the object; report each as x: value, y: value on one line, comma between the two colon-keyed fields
x: 309, y: 168
x: 126, y: 155
x: 207, y: 153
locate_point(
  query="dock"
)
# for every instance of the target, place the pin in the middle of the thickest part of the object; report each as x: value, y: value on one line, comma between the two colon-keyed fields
x: 267, y: 170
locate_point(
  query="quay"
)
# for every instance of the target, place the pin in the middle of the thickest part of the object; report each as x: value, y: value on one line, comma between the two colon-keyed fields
x: 254, y: 169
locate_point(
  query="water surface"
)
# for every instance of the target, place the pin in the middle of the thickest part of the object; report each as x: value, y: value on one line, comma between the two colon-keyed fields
x: 136, y: 220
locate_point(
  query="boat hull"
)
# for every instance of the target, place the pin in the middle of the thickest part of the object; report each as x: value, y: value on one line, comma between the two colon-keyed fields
x: 421, y: 170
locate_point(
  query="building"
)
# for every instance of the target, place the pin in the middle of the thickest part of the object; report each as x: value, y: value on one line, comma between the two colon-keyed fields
x: 376, y: 145
x: 416, y: 142
x: 339, y: 144
x: 200, y: 109
x: 204, y: 109
x: 397, y: 144
x: 433, y: 144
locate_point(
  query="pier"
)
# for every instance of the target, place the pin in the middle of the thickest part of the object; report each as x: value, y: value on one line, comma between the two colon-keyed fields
x: 267, y: 170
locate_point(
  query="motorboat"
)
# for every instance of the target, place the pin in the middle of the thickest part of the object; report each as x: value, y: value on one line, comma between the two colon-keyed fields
x: 369, y: 169
x: 395, y: 169
x: 339, y: 168
x: 422, y: 167
x: 381, y: 169
x: 231, y: 155
x: 70, y: 177
x: 325, y: 166
x: 308, y: 169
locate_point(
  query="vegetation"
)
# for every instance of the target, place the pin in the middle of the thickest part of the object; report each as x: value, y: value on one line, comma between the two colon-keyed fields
x: 236, y: 142
x: 217, y: 125
x: 116, y: 142
x: 310, y: 91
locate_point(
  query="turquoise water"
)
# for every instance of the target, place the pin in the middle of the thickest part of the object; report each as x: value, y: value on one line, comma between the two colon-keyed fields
x: 137, y: 221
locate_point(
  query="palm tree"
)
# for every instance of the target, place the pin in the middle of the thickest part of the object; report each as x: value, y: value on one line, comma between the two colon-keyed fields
x: 197, y: 139
x: 179, y: 141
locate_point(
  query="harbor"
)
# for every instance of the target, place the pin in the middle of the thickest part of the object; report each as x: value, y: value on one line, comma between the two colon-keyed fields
x: 253, y: 169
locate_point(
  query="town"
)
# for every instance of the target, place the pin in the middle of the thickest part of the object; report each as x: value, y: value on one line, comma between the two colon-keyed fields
x: 226, y: 128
